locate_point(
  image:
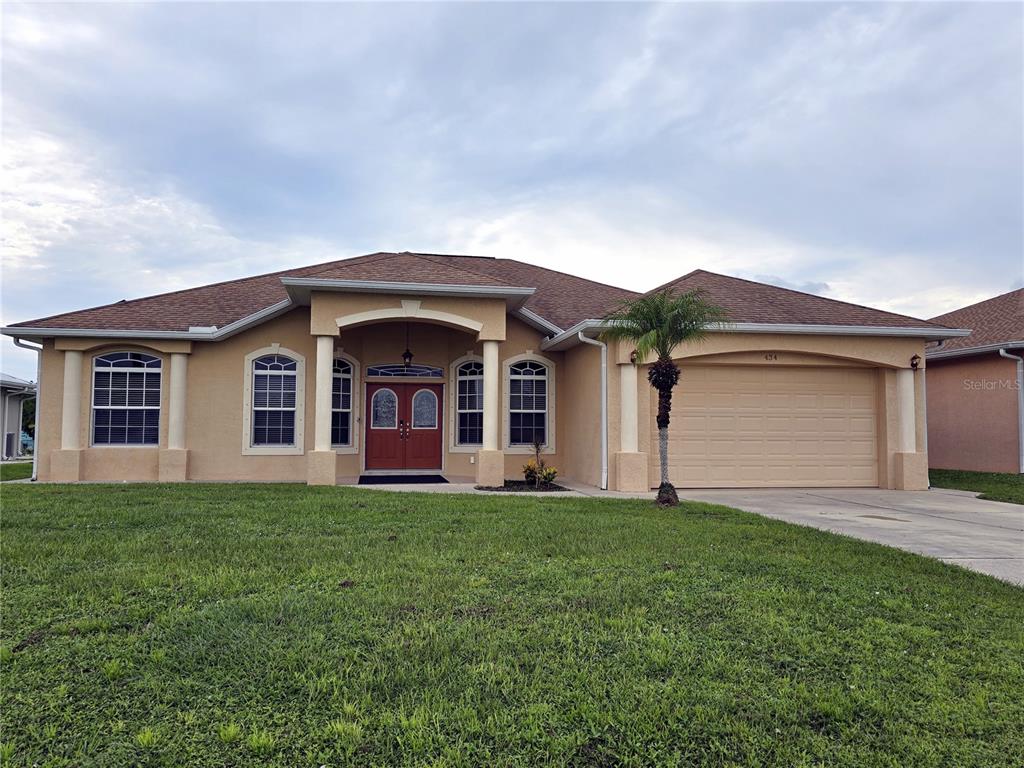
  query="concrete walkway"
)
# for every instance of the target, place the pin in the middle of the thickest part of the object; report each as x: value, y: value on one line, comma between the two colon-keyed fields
x: 953, y: 526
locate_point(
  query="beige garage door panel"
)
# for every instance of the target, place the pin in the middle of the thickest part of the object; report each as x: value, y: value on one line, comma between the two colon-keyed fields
x: 736, y: 426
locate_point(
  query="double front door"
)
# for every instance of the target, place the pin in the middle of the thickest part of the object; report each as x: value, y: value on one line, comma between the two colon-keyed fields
x: 403, y: 426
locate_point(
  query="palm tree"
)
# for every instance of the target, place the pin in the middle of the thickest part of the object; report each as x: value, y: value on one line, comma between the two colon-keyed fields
x: 658, y: 323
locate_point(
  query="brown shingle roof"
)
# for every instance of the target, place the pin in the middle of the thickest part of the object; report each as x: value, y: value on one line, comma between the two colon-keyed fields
x: 561, y: 299
x: 994, y: 321
x: 750, y: 302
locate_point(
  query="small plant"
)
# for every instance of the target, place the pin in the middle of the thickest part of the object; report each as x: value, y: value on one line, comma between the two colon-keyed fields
x: 147, y: 738
x: 6, y: 752
x: 229, y: 733
x: 113, y: 669
x: 261, y: 742
x: 536, y: 471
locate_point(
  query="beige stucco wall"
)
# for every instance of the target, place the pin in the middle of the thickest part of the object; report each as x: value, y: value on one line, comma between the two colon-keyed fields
x: 326, y: 308
x: 874, y: 350
x: 581, y: 408
x: 216, y: 376
x: 104, y: 462
x: 972, y: 414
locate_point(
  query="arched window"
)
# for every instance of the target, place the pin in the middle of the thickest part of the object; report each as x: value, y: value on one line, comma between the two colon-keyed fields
x: 384, y: 410
x: 126, y: 399
x: 424, y: 410
x: 527, y: 403
x: 341, y: 403
x: 469, y: 403
x: 274, y: 388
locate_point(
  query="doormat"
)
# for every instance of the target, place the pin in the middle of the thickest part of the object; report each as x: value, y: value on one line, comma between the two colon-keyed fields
x: 399, y: 479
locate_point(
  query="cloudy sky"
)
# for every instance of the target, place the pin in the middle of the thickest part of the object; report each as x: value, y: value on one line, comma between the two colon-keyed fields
x: 871, y: 153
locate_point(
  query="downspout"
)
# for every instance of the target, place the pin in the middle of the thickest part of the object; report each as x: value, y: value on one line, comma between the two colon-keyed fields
x: 35, y: 437
x: 1020, y: 404
x: 604, y: 405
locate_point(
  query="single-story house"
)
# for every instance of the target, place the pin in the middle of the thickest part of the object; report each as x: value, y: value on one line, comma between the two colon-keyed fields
x: 976, y: 389
x: 414, y: 362
x: 13, y: 394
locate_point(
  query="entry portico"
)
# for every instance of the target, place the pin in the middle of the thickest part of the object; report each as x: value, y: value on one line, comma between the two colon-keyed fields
x: 479, y: 313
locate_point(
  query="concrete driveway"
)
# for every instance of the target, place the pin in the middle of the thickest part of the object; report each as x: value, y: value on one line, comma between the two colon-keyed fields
x: 953, y: 526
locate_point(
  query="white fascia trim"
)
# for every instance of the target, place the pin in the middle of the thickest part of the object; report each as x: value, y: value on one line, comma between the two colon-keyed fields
x: 569, y: 337
x: 538, y: 322
x: 843, y: 330
x: 206, y: 334
x: 299, y: 288
x: 967, y: 351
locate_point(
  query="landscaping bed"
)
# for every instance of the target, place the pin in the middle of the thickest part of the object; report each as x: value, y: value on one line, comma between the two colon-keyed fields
x: 282, y: 625
x: 513, y: 486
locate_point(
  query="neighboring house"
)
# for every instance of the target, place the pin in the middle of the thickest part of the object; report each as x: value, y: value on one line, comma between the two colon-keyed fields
x: 410, y: 362
x: 975, y: 392
x: 13, y: 394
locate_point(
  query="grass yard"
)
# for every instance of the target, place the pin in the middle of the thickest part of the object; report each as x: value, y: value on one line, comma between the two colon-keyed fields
x: 995, y: 486
x: 232, y: 625
x: 18, y: 471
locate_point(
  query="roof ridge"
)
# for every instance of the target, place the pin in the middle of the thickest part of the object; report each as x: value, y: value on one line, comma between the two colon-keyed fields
x: 427, y: 257
x: 977, y: 304
x: 807, y: 293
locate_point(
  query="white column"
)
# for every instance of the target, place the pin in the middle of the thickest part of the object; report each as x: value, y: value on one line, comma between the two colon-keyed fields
x: 177, y: 400
x: 907, y: 411
x: 71, y: 413
x: 629, y: 436
x: 324, y: 377
x: 491, y: 404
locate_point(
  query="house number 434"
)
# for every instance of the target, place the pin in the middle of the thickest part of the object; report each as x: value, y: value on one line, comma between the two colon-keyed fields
x: 771, y: 356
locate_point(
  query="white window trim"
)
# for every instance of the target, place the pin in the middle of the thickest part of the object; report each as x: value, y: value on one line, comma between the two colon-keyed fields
x: 93, y: 407
x: 374, y: 397
x: 412, y: 414
x: 354, y: 429
x: 248, y: 449
x: 453, y: 410
x: 506, y: 369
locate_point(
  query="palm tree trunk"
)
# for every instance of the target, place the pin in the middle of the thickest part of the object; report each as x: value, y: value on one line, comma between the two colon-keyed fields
x: 663, y: 375
x: 663, y: 453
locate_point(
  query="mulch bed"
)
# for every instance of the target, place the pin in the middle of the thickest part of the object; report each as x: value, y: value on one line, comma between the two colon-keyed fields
x: 513, y: 486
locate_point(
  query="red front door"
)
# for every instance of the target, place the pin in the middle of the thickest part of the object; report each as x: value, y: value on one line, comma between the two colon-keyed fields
x: 403, y: 426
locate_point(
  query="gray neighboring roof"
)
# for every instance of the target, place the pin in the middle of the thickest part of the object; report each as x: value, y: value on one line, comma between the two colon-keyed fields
x: 13, y: 382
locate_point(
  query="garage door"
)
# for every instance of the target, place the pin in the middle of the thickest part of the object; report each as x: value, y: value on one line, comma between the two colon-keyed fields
x: 754, y: 426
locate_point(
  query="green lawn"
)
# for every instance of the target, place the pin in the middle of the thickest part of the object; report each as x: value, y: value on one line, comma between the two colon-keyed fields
x: 231, y: 625
x: 17, y: 471
x: 996, y: 486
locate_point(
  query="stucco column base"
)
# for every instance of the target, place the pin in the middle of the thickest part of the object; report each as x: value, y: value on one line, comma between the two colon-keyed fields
x: 911, y: 471
x: 490, y: 468
x: 66, y: 466
x: 631, y: 473
x: 173, y: 465
x: 321, y: 468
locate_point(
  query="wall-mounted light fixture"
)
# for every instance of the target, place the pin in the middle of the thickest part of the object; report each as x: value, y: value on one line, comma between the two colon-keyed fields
x: 915, y: 361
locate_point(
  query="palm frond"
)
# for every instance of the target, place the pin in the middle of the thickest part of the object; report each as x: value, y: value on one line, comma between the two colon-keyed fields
x: 660, y: 322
